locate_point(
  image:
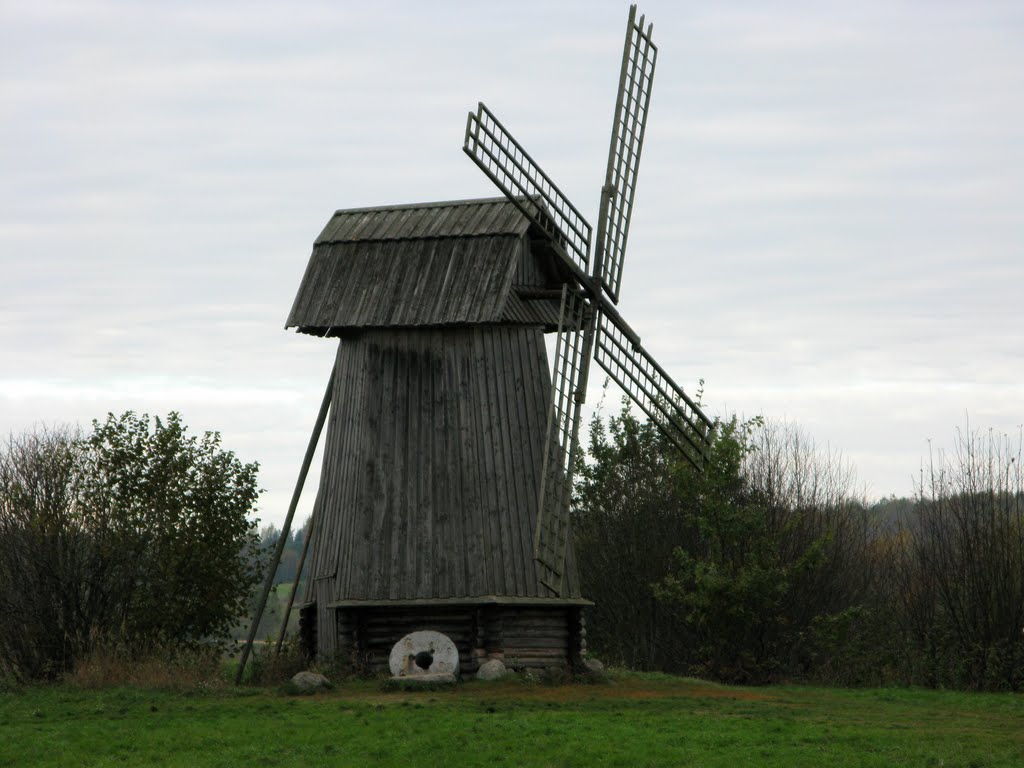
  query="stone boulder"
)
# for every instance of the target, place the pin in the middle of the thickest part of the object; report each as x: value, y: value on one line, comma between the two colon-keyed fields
x: 309, y: 682
x: 492, y: 669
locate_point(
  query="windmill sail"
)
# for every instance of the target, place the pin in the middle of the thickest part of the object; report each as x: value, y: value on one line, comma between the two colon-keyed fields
x: 639, y: 56
x: 619, y: 352
x: 515, y: 173
x: 551, y: 534
x: 588, y: 322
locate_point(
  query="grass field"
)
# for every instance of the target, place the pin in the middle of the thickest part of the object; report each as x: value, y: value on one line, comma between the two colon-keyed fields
x: 636, y: 720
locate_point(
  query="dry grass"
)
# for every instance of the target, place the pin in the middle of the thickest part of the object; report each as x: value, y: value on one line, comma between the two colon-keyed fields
x: 177, y: 670
x: 265, y: 668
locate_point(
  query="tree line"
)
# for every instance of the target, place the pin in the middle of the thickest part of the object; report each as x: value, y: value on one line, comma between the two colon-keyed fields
x: 768, y: 566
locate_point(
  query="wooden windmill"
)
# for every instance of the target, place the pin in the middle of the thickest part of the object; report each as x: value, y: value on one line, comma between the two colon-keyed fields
x: 444, y: 495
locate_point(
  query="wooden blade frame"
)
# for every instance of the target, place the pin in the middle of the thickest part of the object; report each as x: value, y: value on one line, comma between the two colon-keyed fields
x: 639, y: 55
x: 588, y: 321
x: 515, y: 173
x: 551, y: 535
x: 619, y: 352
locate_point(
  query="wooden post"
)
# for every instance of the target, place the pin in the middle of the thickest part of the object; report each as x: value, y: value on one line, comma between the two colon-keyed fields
x: 269, y: 582
x: 479, y: 652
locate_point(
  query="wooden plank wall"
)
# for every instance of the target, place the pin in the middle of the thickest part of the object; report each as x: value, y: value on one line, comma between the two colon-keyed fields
x: 431, y: 466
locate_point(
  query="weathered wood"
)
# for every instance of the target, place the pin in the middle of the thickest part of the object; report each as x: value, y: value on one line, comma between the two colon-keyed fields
x: 308, y: 630
x: 428, y: 492
x: 369, y: 268
x: 430, y: 471
x: 527, y: 637
x: 429, y: 481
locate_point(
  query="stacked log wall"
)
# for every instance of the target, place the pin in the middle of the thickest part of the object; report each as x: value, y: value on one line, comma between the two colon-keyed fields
x: 521, y: 637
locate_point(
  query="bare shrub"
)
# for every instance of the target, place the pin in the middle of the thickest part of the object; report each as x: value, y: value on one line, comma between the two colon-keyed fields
x: 266, y: 667
x: 811, y: 501
x: 962, y: 566
x: 50, y: 569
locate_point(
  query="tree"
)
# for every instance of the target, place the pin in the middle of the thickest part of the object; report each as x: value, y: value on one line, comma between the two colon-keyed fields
x: 138, y: 533
x: 778, y: 554
x: 49, y: 572
x: 727, y: 572
x: 962, y: 567
x: 632, y: 508
x: 178, y: 508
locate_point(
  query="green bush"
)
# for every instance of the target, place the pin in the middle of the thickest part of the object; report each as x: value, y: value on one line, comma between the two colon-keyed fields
x: 137, y: 535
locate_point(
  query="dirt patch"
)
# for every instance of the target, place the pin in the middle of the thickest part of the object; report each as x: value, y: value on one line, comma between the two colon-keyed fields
x: 737, y: 694
x: 625, y: 690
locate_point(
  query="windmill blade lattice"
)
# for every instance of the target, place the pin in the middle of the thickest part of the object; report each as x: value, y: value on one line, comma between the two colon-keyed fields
x: 588, y: 321
x: 515, y: 173
x: 551, y: 534
x: 621, y: 355
x: 636, y: 78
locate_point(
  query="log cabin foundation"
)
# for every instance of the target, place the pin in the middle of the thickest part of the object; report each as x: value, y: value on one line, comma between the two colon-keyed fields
x: 523, y: 636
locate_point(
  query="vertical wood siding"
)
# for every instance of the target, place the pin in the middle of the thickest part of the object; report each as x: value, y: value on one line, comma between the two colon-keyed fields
x: 431, y: 466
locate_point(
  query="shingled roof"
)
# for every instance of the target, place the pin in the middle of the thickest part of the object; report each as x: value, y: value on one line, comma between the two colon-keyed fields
x: 444, y: 263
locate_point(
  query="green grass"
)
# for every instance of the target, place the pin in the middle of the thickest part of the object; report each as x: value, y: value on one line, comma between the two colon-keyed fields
x: 638, y: 720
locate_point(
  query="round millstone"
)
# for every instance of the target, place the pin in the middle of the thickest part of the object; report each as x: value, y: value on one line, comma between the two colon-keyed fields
x: 424, y: 652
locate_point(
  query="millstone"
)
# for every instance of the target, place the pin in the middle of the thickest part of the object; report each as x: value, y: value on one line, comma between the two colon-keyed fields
x: 422, y: 653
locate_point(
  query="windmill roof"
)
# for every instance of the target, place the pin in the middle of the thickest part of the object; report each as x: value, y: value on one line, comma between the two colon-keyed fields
x: 443, y: 263
x: 451, y: 218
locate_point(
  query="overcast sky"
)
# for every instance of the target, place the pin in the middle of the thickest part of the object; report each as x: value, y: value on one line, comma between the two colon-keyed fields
x: 828, y: 225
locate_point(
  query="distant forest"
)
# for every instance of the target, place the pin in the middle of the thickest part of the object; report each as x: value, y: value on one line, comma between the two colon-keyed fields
x: 768, y: 566
x: 284, y: 578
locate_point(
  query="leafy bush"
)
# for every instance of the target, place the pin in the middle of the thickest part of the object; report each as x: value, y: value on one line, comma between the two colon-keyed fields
x: 632, y: 508
x: 177, y: 509
x: 136, y: 535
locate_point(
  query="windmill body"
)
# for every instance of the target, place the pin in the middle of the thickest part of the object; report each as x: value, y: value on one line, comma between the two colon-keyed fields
x: 444, y: 497
x: 432, y: 460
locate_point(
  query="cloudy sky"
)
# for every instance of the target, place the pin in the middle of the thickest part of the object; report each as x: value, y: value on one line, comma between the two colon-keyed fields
x: 828, y: 226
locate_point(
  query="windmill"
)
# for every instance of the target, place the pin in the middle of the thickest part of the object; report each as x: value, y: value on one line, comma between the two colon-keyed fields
x: 444, y: 497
